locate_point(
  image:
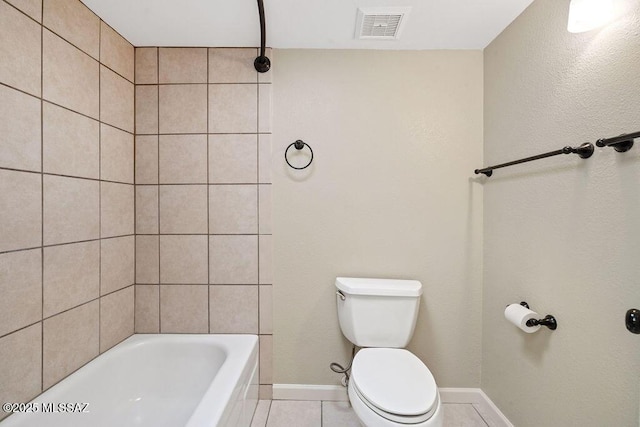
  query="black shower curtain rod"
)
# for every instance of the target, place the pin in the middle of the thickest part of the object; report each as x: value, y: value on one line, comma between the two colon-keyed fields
x: 262, y: 63
x: 620, y: 143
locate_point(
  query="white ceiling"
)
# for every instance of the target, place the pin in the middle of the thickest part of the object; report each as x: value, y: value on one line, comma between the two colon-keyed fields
x: 323, y: 24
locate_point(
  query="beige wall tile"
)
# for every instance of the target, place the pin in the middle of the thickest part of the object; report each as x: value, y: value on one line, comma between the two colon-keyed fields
x: 146, y: 65
x: 21, y: 290
x: 71, y: 210
x: 233, y: 260
x: 33, y: 8
x: 116, y: 208
x: 69, y: 77
x: 146, y: 110
x: 146, y: 163
x: 71, y: 143
x: 266, y: 259
x: 264, y: 158
x: 21, y: 212
x: 73, y: 21
x: 20, y: 50
x: 147, y: 259
x: 147, y: 309
x: 117, y: 263
x: 183, y: 159
x: 264, y: 108
x: 116, y: 100
x: 19, y: 130
x: 21, y: 367
x: 116, y: 317
x: 183, y: 209
x: 116, y: 154
x: 116, y: 52
x: 266, y: 77
x: 233, y: 159
x: 147, y: 209
x: 70, y: 340
x: 71, y: 276
x: 232, y: 108
x: 233, y: 209
x: 264, y: 203
x: 183, y: 259
x: 183, y: 65
x: 266, y: 309
x: 266, y: 359
x: 233, y: 309
x: 231, y: 65
x: 184, y: 309
x: 266, y: 392
x: 183, y: 108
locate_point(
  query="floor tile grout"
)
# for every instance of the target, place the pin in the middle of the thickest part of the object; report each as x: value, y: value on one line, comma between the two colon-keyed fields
x: 330, y: 417
x: 478, y: 412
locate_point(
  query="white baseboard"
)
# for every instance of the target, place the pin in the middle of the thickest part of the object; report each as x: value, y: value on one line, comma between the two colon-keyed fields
x: 475, y: 396
x: 460, y: 395
x: 478, y: 398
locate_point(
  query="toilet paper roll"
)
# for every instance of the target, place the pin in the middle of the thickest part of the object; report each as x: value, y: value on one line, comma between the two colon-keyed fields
x: 518, y: 315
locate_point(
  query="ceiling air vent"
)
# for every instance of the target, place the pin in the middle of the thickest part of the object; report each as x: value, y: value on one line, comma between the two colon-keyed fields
x: 381, y: 23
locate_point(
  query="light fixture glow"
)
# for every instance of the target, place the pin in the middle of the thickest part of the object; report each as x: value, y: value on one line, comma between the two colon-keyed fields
x: 585, y: 15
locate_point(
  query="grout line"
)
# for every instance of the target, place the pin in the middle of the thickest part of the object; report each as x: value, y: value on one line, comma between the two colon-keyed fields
x: 268, y: 412
x: 208, y: 209
x: 204, y: 83
x: 25, y: 14
x: 66, y: 310
x: 479, y: 414
x: 123, y: 235
x: 158, y: 151
x: 98, y: 60
x: 100, y: 185
x: 135, y: 215
x: 201, y: 133
x: 63, y: 175
x: 42, y: 198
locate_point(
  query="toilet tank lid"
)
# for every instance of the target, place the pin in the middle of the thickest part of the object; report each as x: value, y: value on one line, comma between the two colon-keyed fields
x: 379, y: 287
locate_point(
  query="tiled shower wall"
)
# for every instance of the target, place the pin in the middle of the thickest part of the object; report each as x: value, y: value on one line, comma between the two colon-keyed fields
x: 66, y: 192
x: 203, y: 191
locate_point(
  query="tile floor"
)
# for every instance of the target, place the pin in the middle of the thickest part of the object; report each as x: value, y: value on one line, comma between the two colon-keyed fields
x: 299, y: 413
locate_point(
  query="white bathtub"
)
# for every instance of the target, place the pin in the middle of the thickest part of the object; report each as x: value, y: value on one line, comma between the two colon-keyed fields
x: 156, y: 380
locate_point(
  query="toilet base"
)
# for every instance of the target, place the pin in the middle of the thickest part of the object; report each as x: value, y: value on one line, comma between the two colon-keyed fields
x: 368, y: 418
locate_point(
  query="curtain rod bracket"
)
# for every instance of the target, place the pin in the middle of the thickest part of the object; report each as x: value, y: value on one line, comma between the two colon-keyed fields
x: 619, y: 143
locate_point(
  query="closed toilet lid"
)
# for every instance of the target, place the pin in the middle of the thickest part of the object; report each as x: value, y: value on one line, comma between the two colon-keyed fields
x: 394, y: 381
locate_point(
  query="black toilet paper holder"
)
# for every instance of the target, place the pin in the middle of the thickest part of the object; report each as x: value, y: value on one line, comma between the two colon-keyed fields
x: 549, y: 321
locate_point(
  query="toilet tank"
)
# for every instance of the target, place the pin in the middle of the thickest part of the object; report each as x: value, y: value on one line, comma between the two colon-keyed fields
x: 378, y: 312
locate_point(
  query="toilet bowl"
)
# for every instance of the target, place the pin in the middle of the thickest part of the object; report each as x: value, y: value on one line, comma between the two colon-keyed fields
x: 391, y: 387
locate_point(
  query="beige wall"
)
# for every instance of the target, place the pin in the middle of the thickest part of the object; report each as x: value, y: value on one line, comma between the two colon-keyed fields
x: 395, y: 137
x: 66, y: 192
x: 203, y: 233
x: 562, y: 233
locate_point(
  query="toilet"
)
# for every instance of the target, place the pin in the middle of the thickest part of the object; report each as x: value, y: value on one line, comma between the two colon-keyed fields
x: 389, y: 386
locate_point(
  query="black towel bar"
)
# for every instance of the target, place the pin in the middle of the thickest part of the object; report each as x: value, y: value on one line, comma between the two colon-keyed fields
x: 584, y: 151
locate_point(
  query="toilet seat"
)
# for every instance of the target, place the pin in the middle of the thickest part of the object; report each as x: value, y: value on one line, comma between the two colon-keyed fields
x: 395, y: 384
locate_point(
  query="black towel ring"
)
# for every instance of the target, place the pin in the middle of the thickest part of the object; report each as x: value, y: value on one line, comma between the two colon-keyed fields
x: 298, y: 145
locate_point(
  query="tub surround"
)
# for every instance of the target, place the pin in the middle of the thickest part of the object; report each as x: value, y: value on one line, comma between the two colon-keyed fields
x: 73, y: 220
x: 203, y: 233
x: 66, y: 180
